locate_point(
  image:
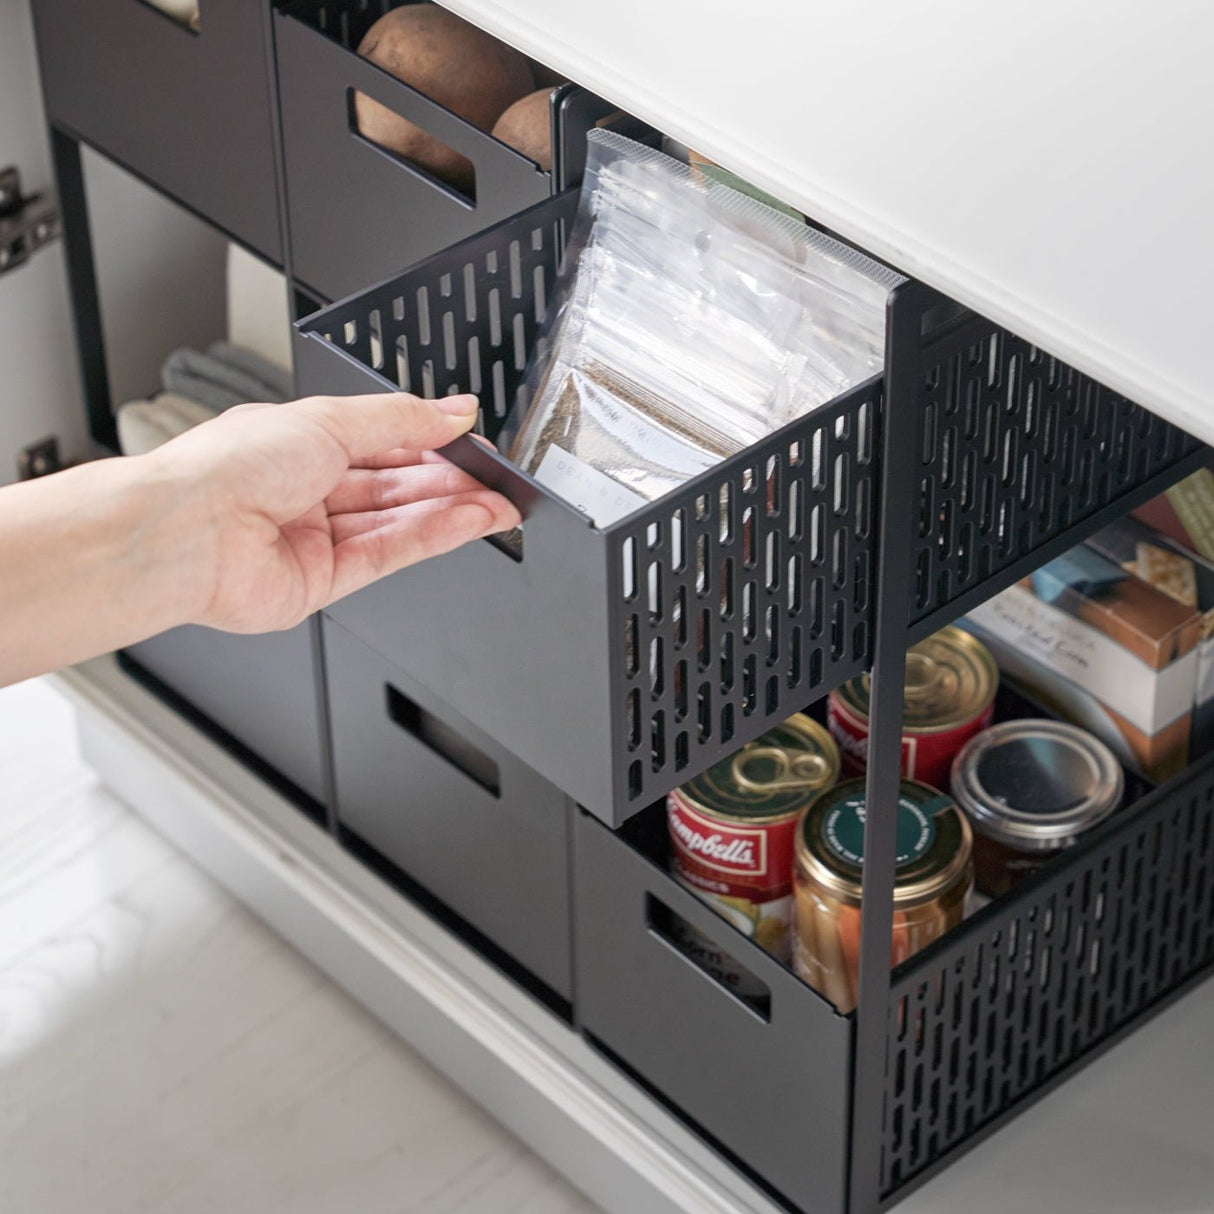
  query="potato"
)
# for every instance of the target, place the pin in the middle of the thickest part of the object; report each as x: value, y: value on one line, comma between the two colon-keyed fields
x: 527, y: 127
x: 451, y: 62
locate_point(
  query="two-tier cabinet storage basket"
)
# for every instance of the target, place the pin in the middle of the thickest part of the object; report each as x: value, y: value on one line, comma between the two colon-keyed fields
x: 495, y: 731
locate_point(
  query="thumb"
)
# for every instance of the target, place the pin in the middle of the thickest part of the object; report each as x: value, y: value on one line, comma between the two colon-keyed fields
x: 368, y: 425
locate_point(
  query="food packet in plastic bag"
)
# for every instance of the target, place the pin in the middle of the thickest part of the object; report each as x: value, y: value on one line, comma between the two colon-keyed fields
x: 694, y: 320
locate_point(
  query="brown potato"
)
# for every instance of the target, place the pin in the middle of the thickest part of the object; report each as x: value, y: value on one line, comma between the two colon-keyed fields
x: 527, y: 127
x: 451, y: 62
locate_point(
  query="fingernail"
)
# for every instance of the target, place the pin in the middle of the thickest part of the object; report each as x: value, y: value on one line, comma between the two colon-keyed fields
x: 458, y: 406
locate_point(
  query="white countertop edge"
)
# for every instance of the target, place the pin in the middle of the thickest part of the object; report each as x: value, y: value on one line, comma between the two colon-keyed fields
x: 1143, y: 385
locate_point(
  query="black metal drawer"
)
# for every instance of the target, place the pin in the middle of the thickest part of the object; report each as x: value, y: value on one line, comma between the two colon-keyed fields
x: 260, y: 691
x: 358, y: 212
x: 189, y: 112
x: 766, y: 1079
x: 451, y: 811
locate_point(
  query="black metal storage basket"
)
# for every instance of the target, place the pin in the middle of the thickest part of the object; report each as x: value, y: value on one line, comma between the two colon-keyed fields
x: 1038, y: 982
x: 1015, y: 448
x: 357, y: 211
x: 455, y: 821
x: 620, y: 662
x: 189, y: 112
x: 994, y: 1014
x: 616, y: 662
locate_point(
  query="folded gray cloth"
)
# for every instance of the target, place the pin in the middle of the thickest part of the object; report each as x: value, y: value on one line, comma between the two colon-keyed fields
x: 253, y: 364
x: 224, y: 376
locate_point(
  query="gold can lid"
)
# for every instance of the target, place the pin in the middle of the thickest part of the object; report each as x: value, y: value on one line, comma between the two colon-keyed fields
x: 950, y: 679
x: 933, y: 843
x: 770, y: 778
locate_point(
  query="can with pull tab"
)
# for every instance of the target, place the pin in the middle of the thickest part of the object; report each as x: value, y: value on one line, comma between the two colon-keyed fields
x: 951, y: 681
x: 732, y: 830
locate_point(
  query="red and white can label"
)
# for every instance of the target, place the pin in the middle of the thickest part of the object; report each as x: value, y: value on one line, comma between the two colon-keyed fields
x: 927, y: 757
x: 743, y: 872
x: 729, y: 858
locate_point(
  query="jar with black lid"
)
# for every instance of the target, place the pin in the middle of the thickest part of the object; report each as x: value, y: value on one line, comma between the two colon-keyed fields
x: 1030, y: 789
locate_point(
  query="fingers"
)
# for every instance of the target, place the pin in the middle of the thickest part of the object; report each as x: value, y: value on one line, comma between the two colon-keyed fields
x: 383, y: 543
x: 367, y: 426
x: 502, y: 515
x: 399, y: 458
x: 363, y: 489
x: 403, y: 455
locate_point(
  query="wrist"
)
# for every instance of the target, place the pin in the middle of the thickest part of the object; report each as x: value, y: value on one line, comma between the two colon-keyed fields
x: 162, y: 540
x: 96, y: 558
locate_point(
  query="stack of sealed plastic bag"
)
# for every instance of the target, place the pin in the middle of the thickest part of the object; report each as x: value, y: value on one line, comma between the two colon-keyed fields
x: 693, y: 321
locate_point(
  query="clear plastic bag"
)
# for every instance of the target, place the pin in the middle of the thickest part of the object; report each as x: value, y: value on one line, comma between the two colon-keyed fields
x: 694, y: 320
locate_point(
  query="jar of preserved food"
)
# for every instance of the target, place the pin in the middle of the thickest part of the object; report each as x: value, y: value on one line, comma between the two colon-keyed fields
x: 933, y: 877
x: 1030, y: 788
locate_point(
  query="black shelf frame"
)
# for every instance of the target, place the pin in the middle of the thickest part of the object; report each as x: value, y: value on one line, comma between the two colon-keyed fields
x: 84, y: 298
x: 911, y: 310
x: 1016, y: 420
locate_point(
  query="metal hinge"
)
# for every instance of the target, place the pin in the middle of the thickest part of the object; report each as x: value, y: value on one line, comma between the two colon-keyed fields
x: 39, y: 459
x: 26, y: 224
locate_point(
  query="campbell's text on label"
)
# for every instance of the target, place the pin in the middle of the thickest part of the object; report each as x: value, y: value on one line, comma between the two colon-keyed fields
x: 729, y: 851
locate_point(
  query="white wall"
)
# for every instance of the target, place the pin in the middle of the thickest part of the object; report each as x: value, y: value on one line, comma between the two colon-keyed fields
x: 160, y: 273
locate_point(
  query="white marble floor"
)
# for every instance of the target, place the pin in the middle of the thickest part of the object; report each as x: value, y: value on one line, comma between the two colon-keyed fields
x: 162, y: 1051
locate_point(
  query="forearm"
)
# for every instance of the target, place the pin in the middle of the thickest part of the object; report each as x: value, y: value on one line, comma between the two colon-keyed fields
x: 249, y: 522
x: 92, y: 559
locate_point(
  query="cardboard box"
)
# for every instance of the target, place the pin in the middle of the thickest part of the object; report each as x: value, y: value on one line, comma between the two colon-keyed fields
x: 1180, y: 524
x: 1118, y: 634
x: 1184, y: 514
x: 1105, y: 649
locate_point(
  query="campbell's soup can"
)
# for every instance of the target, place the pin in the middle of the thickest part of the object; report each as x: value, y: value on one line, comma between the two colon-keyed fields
x: 951, y: 680
x: 732, y: 833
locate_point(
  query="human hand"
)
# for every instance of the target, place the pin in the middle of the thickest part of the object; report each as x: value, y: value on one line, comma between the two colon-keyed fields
x: 290, y: 507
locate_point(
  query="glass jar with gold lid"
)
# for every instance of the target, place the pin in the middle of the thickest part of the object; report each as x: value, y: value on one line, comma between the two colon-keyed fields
x: 933, y: 877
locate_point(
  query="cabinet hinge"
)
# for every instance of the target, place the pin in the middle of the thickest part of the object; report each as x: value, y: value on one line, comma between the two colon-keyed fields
x: 26, y: 223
